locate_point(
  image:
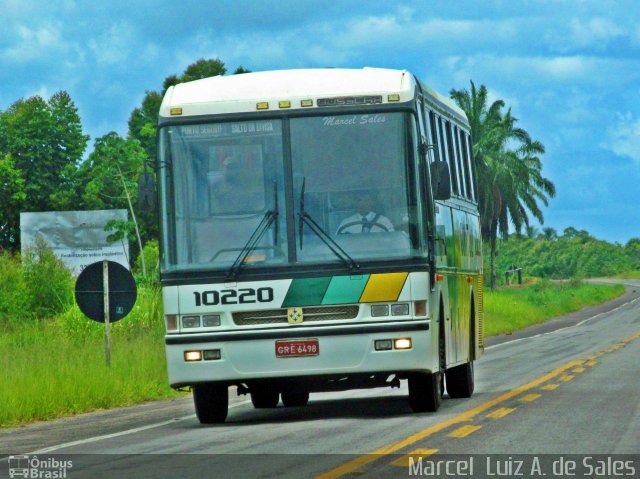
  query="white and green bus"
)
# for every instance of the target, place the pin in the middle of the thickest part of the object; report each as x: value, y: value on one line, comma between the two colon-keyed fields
x: 273, y: 282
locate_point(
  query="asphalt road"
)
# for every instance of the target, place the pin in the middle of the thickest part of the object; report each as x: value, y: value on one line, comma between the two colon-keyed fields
x: 569, y: 387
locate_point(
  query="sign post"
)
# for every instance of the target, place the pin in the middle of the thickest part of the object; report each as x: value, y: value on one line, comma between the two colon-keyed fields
x: 106, y: 292
x: 107, y: 329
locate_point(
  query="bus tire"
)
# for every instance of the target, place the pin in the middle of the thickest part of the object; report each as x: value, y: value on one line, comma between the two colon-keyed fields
x: 460, y: 382
x: 211, y: 402
x: 294, y: 397
x: 425, y: 392
x: 264, y: 397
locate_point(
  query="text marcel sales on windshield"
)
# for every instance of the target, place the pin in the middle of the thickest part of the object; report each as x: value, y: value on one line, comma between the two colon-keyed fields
x: 526, y: 466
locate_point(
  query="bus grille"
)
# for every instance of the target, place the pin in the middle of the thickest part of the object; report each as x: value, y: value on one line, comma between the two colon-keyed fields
x: 316, y: 313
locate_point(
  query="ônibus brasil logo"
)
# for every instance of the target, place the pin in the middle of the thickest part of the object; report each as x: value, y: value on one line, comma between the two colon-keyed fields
x: 35, y: 468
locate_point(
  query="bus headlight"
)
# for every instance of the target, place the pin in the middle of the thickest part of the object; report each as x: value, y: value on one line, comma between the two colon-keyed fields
x: 402, y: 343
x: 191, y: 356
x: 378, y: 310
x: 191, y: 322
x: 401, y: 309
x: 211, y: 320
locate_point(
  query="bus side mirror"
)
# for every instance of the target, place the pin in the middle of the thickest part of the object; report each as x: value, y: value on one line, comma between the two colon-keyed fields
x: 146, y: 192
x: 440, y: 180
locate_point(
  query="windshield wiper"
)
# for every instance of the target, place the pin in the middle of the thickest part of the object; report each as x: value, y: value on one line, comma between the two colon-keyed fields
x: 268, y: 219
x: 305, y: 218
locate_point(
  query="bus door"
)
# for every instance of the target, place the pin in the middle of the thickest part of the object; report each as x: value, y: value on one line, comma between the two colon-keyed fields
x: 446, y: 265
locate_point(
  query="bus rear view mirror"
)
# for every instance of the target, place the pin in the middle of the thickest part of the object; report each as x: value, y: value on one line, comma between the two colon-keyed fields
x: 146, y: 192
x: 440, y: 180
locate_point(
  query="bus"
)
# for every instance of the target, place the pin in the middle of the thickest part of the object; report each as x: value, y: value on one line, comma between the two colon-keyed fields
x: 266, y: 288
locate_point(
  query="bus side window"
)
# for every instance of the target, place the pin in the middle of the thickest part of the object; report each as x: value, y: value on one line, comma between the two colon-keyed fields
x: 467, y: 158
x: 447, y: 146
x: 464, y: 173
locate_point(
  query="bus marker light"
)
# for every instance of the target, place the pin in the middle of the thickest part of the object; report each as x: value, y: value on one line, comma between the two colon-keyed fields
x: 211, y: 321
x: 439, y: 277
x: 379, y: 310
x: 171, y: 320
x: 175, y: 111
x: 263, y: 105
x: 401, y: 309
x: 469, y: 279
x: 306, y: 103
x: 393, y: 97
x: 191, y: 321
x: 211, y: 354
x: 383, y: 344
x: 420, y: 308
x: 284, y: 104
x: 191, y: 356
x: 402, y: 343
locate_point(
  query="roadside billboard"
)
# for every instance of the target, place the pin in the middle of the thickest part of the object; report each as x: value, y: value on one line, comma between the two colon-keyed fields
x: 76, y: 237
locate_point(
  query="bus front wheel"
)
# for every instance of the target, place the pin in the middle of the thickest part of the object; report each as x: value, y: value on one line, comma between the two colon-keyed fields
x: 425, y: 391
x: 211, y: 402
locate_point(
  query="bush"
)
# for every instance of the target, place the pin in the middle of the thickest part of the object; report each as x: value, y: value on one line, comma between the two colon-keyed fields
x: 14, y: 297
x: 49, y: 284
x: 151, y: 254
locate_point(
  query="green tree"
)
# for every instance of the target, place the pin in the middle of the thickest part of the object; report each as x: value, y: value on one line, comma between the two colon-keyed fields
x: 549, y: 234
x: 508, y: 168
x: 45, y: 143
x: 112, y: 171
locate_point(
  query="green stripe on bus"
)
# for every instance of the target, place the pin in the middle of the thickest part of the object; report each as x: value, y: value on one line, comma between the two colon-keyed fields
x: 306, y: 292
x: 345, y: 289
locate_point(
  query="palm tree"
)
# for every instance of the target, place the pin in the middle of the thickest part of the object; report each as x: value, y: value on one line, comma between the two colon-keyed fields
x: 507, y: 166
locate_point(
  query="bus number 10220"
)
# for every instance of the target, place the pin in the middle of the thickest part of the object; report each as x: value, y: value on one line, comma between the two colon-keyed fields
x: 233, y: 296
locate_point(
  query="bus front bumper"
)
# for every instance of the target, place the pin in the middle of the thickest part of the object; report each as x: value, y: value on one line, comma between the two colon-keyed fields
x: 237, y: 356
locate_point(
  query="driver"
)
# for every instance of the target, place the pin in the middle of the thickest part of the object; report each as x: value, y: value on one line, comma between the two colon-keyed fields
x: 366, y: 220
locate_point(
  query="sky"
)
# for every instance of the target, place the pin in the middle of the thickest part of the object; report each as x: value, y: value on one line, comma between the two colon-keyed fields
x: 568, y: 69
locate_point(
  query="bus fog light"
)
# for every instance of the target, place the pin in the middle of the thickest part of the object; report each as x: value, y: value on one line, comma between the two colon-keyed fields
x: 420, y: 308
x: 211, y: 354
x: 401, y: 309
x: 382, y: 344
x: 379, y: 310
x: 191, y: 321
x: 171, y: 320
x: 402, y: 343
x: 190, y: 356
x: 211, y: 321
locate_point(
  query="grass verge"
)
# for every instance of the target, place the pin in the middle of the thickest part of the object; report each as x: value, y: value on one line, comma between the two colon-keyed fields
x: 57, y: 368
x: 511, y: 309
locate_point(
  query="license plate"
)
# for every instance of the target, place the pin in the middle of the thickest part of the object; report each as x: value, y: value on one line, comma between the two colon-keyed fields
x: 296, y: 348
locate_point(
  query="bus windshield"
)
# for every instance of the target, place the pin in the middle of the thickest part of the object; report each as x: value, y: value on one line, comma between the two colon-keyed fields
x: 219, y: 181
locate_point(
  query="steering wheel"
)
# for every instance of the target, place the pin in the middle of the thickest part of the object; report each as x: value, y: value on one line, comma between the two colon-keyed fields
x: 371, y: 224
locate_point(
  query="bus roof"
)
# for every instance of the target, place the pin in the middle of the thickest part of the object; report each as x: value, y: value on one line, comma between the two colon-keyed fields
x: 242, y: 93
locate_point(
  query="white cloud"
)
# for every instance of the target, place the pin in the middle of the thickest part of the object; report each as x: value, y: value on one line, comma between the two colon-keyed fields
x: 596, y: 32
x: 624, y: 137
x: 34, y: 43
x: 114, y: 45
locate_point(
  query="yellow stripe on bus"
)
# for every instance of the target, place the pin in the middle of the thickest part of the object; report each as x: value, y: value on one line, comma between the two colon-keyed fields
x: 383, y: 287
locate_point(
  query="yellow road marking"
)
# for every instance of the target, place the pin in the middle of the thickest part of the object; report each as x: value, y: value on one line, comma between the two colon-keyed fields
x: 466, y: 416
x: 464, y: 431
x: 566, y: 377
x: 591, y: 363
x: 500, y: 412
x: 578, y: 370
x: 550, y: 387
x: 530, y: 397
x: 413, y: 455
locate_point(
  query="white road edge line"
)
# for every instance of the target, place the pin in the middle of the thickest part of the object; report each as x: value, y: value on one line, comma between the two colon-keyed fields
x: 117, y: 434
x: 566, y: 327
